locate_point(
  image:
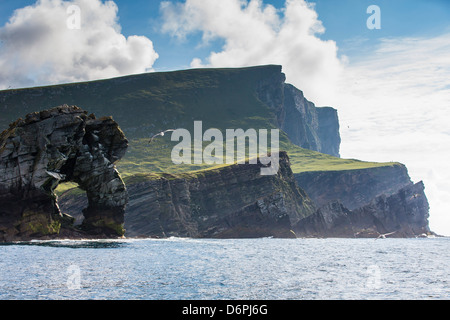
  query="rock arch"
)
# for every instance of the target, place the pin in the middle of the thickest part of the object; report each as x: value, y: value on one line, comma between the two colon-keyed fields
x: 58, y: 145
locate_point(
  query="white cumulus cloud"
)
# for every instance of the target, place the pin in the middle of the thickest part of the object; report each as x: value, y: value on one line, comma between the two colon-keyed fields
x: 255, y: 34
x: 39, y: 47
x: 394, y: 104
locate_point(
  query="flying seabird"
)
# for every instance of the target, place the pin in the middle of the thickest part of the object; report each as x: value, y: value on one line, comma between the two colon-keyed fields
x: 160, y: 134
x: 383, y: 236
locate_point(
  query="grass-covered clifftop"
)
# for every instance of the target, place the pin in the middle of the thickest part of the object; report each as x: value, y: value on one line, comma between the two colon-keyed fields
x: 149, y: 103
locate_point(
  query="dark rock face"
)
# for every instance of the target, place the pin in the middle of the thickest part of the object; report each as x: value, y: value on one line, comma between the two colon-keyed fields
x: 364, y: 203
x: 231, y: 202
x: 237, y: 202
x: 310, y: 127
x: 65, y: 144
x: 404, y: 214
x: 328, y: 130
x: 53, y: 146
x: 306, y: 125
x: 353, y: 188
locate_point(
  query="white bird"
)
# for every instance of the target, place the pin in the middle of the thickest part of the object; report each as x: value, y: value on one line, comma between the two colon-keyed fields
x: 383, y: 236
x: 160, y: 134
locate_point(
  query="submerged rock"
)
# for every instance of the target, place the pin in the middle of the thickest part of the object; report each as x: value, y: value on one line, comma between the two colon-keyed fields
x: 53, y: 146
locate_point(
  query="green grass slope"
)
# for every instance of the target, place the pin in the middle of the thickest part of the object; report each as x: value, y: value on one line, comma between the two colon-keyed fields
x: 149, y: 103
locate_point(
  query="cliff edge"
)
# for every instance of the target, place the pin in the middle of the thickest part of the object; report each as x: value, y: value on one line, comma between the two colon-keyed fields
x: 235, y: 201
x: 307, y: 126
x: 353, y: 188
x: 168, y: 199
x: 401, y: 215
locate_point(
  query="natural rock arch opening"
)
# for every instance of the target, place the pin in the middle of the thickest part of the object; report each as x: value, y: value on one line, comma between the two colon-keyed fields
x: 70, y: 198
x: 54, y: 146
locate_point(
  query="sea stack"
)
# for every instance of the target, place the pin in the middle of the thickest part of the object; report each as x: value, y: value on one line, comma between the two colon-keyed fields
x: 59, y: 145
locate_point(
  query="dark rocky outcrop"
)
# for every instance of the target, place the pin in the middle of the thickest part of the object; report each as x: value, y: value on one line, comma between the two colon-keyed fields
x: 237, y: 202
x: 364, y: 203
x: 53, y: 146
x: 233, y: 201
x: 403, y: 214
x: 305, y: 124
x: 353, y: 188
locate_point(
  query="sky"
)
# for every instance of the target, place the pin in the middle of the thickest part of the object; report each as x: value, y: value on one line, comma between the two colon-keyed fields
x: 390, y: 85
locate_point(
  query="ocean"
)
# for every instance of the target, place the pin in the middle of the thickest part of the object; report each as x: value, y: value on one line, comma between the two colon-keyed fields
x: 249, y: 269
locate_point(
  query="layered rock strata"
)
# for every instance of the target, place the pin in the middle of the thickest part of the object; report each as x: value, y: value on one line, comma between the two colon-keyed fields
x: 230, y: 202
x: 353, y: 188
x: 53, y: 146
x: 237, y: 202
x: 403, y: 214
x: 308, y: 126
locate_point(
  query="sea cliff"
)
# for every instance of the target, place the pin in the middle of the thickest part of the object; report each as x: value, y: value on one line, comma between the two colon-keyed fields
x: 307, y: 126
x: 237, y: 202
x: 230, y: 202
x: 313, y: 185
x: 353, y: 188
x: 403, y: 214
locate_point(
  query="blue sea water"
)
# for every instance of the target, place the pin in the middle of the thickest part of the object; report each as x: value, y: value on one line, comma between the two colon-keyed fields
x: 178, y: 268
